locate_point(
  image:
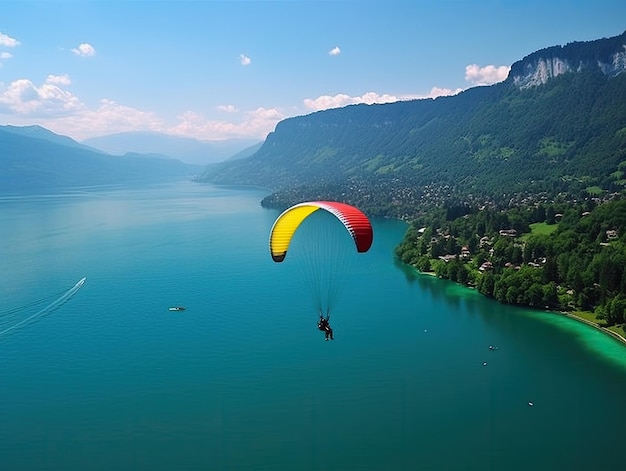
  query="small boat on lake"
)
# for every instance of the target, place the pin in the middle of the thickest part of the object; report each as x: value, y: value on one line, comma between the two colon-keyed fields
x: 177, y: 308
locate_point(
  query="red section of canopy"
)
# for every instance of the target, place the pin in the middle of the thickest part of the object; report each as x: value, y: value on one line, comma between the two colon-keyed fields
x: 355, y: 221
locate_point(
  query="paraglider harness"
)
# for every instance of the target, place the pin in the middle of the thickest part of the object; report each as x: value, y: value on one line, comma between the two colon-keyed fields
x: 324, y: 326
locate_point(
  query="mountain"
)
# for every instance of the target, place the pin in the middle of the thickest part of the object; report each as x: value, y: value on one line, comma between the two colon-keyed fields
x: 247, y: 152
x: 187, y: 150
x: 33, y: 158
x: 38, y: 132
x: 557, y: 123
x: 607, y: 56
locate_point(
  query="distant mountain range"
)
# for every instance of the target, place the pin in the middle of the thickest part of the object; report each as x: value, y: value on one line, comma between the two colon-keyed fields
x: 33, y: 159
x: 191, y: 151
x: 38, y: 132
x: 557, y: 123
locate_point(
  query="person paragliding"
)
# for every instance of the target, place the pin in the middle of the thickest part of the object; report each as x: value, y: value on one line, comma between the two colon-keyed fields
x: 324, y: 325
x: 323, y: 259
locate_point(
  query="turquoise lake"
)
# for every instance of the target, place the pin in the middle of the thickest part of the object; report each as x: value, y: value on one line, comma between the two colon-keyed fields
x: 243, y: 380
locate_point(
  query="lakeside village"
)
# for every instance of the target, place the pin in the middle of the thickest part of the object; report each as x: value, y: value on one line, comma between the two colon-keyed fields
x: 566, y: 257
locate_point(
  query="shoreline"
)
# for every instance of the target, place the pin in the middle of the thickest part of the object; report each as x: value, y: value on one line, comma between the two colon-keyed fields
x: 595, y: 325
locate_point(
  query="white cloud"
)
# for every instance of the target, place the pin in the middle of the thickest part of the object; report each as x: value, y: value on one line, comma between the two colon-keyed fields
x: 111, y: 114
x: 325, y: 102
x: 245, y: 60
x: 265, y: 114
x: 108, y: 118
x: 487, y: 75
x: 437, y: 91
x: 257, y: 123
x: 24, y: 98
x: 8, y: 41
x: 473, y: 73
x: 51, y: 106
x: 227, y: 108
x: 84, y: 50
x: 62, y: 112
x: 59, y: 79
x: 335, y: 51
x: 5, y: 56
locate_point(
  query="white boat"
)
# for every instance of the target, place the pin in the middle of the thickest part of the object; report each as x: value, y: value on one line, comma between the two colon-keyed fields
x: 177, y: 308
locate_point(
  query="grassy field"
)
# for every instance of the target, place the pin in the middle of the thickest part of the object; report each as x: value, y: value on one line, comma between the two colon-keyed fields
x: 540, y: 228
x: 588, y: 316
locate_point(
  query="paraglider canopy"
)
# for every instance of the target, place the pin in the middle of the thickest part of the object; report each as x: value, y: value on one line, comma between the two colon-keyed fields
x: 355, y: 222
x: 323, y: 236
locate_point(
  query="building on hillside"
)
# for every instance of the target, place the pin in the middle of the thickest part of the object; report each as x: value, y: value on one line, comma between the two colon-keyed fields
x: 508, y: 232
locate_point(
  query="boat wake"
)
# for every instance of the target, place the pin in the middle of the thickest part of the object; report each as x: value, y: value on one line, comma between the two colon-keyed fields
x: 14, y: 319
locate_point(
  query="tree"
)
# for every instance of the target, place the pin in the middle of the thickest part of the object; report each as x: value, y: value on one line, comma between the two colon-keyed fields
x: 550, y: 295
x: 535, y: 295
x: 486, y: 284
x: 617, y: 309
x: 550, y: 215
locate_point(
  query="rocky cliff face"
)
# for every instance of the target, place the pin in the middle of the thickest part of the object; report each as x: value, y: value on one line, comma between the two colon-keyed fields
x: 607, y: 55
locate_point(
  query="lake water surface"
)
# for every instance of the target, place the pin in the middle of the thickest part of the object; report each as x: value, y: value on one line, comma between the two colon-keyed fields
x: 243, y: 380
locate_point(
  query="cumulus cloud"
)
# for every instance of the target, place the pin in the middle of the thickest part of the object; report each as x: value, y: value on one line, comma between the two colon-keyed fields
x: 84, y: 50
x: 52, y: 106
x: 487, y: 75
x: 227, y: 108
x: 8, y: 41
x: 335, y: 51
x: 4, y: 56
x: 112, y: 115
x: 108, y: 117
x: 474, y: 74
x: 245, y: 60
x: 257, y: 123
x: 265, y: 114
x: 438, y: 91
x: 59, y: 79
x: 325, y: 102
x: 23, y: 97
x: 336, y: 101
x: 60, y: 111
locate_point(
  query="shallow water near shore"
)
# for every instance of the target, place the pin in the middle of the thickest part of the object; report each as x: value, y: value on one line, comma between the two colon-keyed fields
x: 242, y: 379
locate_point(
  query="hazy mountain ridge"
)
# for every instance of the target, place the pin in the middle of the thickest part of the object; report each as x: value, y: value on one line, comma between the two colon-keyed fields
x: 39, y: 132
x: 192, y: 151
x: 247, y: 152
x: 53, y: 161
x: 497, y: 139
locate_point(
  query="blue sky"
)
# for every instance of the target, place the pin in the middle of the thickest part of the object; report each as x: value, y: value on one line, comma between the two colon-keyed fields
x: 229, y: 69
